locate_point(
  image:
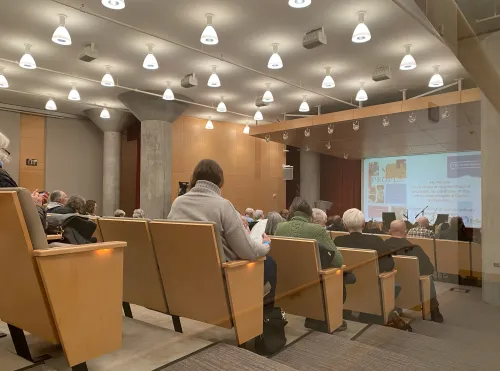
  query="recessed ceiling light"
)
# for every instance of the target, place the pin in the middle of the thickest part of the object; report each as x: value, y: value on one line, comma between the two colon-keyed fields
x: 209, y: 36
x: 361, y: 33
x: 3, y: 80
x: 246, y: 130
x: 275, y: 61
x: 258, y: 115
x: 268, y: 96
x: 73, y: 94
x: 168, y: 94
x: 436, y: 80
x: 105, y: 114
x: 209, y: 124
x: 61, y: 35
x: 107, y: 79
x: 222, y: 106
x: 304, y: 107
x: 150, y: 62
x: 299, y: 3
x: 408, y: 62
x: 214, y: 81
x: 362, y: 96
x: 114, y: 4
x: 27, y: 61
x: 51, y: 105
x: 328, y: 82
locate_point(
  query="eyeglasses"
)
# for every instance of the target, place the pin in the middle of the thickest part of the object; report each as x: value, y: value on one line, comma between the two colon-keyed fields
x: 7, y: 152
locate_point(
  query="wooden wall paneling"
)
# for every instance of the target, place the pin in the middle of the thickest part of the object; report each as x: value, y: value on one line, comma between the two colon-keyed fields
x: 128, y: 175
x: 33, y: 147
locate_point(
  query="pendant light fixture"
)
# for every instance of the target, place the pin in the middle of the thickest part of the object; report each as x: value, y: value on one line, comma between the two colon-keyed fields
x: 361, y: 96
x: 27, y: 61
x: 214, y: 81
x: 275, y: 62
x: 436, y: 80
x: 51, y: 105
x: 408, y: 62
x: 222, y: 106
x: 268, y: 96
x: 361, y: 33
x: 107, y: 79
x: 209, y: 125
x: 304, y: 107
x: 299, y: 3
x: 330, y: 129
x: 258, y: 115
x: 150, y: 62
x: 209, y: 36
x: 3, y: 80
x: 168, y: 94
x: 61, y: 35
x: 246, y: 130
x: 328, y: 82
x: 105, y: 113
x: 73, y: 94
x: 114, y: 4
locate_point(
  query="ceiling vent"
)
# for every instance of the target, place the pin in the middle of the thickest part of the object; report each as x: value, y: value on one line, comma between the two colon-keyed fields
x: 314, y: 38
x: 260, y: 103
x: 89, y: 53
x: 189, y: 81
x: 382, y: 73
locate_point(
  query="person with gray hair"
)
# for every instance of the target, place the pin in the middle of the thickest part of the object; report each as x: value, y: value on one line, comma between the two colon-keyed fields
x: 258, y: 215
x: 75, y: 205
x: 319, y: 217
x: 422, y: 229
x: 57, y: 199
x: 119, y: 213
x: 139, y: 214
x: 249, y: 214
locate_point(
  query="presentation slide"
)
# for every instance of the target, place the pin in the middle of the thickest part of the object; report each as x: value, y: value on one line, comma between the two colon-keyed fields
x: 445, y: 183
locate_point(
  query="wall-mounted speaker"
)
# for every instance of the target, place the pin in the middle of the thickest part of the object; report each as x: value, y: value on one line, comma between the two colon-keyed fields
x: 287, y: 172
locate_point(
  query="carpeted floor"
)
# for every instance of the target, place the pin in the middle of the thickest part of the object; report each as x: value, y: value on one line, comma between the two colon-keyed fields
x: 36, y: 368
x: 224, y: 357
x: 318, y: 351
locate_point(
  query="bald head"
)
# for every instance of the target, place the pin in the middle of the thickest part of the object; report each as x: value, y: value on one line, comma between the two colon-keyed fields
x: 398, y: 229
x: 423, y: 222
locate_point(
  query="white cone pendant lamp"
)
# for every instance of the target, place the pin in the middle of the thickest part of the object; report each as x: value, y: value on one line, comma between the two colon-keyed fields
x: 304, y: 107
x: 408, y: 62
x: 258, y: 115
x: 114, y: 4
x: 361, y: 33
x: 51, y: 105
x: 436, y: 80
x: 222, y: 106
x: 61, y: 35
x: 246, y: 130
x: 299, y: 3
x: 107, y: 79
x: 328, y: 82
x: 275, y: 61
x: 105, y: 114
x: 209, y: 125
x: 73, y: 94
x: 27, y: 61
x: 209, y: 36
x: 214, y: 81
x: 3, y: 80
x: 168, y: 94
x: 150, y: 62
x: 268, y: 96
x: 361, y: 96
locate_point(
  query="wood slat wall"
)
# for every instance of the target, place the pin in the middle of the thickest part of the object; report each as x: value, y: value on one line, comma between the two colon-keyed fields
x: 32, y: 146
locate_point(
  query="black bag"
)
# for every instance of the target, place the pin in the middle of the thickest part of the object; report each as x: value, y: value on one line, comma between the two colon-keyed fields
x: 273, y: 336
x: 395, y: 321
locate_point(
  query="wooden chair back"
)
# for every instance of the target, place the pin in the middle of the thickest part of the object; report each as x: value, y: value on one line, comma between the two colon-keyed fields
x: 190, y: 263
x: 334, y: 234
x: 97, y: 233
x: 383, y: 236
x: 364, y: 296
x: 477, y: 260
x: 142, y: 283
x: 298, y: 288
x: 453, y: 257
x: 24, y: 301
x: 427, y: 244
x: 408, y: 277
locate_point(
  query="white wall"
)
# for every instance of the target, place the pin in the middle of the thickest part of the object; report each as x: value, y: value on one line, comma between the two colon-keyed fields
x: 75, y: 158
x: 11, y: 128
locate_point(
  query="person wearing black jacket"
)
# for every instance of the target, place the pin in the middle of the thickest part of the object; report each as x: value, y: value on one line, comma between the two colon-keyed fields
x: 456, y: 231
x: 401, y: 246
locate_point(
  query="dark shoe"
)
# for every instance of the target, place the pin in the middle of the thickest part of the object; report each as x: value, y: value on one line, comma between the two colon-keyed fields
x: 316, y: 325
x: 436, y: 316
x: 342, y: 327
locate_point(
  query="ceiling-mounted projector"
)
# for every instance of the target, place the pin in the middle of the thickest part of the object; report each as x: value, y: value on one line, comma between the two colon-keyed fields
x: 314, y: 38
x: 189, y: 81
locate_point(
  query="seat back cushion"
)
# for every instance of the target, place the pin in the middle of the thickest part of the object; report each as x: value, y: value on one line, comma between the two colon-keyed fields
x: 335, y: 234
x: 453, y: 257
x: 427, y: 244
x: 477, y: 260
x: 190, y: 267
x: 364, y: 295
x: 408, y: 277
x: 24, y: 302
x: 142, y: 283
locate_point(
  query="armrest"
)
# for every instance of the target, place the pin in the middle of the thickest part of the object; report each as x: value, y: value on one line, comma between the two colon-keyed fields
x: 386, y: 275
x: 54, y: 237
x: 239, y: 263
x: 326, y: 272
x: 79, y: 248
x: 426, y: 277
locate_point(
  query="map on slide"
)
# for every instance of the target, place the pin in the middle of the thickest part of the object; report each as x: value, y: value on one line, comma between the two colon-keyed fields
x: 447, y: 183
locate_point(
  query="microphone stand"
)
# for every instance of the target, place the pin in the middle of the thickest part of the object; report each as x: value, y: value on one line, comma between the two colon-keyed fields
x: 421, y: 212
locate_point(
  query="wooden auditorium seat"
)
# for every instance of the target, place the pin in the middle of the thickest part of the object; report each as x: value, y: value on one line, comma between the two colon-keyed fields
x: 199, y: 284
x: 66, y: 295
x: 142, y: 283
x: 453, y: 257
x: 383, y: 236
x: 477, y: 260
x: 303, y: 288
x: 427, y: 244
x: 97, y: 233
x: 372, y: 293
x: 415, y: 289
x: 334, y: 234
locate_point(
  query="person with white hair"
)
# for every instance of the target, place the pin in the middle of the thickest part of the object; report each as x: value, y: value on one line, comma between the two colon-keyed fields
x: 249, y: 214
x: 139, y: 214
x: 119, y: 213
x: 421, y: 230
x: 258, y: 215
x: 319, y: 217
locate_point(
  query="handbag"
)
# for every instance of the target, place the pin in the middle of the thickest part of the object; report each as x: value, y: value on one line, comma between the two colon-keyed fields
x: 273, y: 336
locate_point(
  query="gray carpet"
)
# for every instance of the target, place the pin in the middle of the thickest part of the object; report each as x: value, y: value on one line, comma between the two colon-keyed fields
x: 224, y: 357
x: 442, y: 354
x: 319, y: 351
x: 37, y: 368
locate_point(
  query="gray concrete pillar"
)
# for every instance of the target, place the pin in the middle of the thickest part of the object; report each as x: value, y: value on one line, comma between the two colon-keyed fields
x: 309, y: 176
x: 490, y: 184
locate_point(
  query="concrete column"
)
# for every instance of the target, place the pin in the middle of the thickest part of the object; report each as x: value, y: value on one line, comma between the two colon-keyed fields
x: 111, y: 172
x: 309, y: 176
x: 490, y: 184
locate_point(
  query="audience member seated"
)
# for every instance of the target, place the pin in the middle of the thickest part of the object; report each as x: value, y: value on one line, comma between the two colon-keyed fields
x: 75, y: 205
x: 258, y: 215
x: 284, y: 214
x: 336, y: 224
x: 456, y: 231
x: 139, y: 214
x: 266, y: 227
x: 204, y: 203
x: 319, y: 217
x: 245, y: 223
x: 90, y: 208
x: 249, y: 214
x: 421, y: 230
x: 119, y: 213
x: 401, y: 246
x: 372, y: 228
x: 57, y: 200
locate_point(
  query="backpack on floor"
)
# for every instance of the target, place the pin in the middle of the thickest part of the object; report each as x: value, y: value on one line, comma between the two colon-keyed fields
x: 395, y: 321
x: 273, y: 336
